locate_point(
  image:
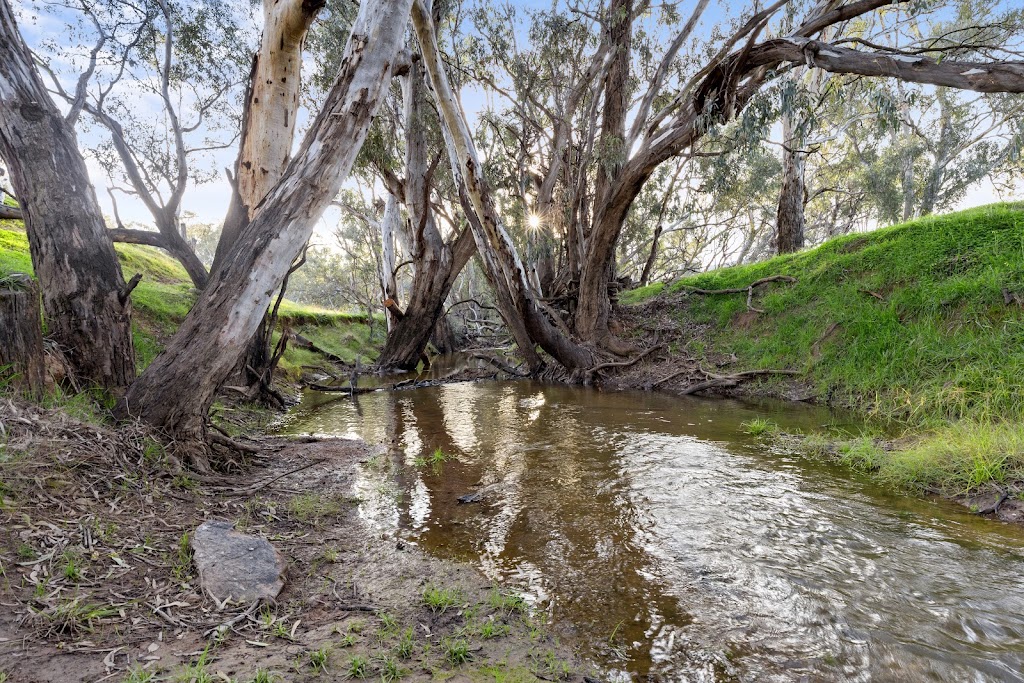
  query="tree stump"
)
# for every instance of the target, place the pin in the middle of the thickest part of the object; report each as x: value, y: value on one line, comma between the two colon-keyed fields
x: 22, y: 362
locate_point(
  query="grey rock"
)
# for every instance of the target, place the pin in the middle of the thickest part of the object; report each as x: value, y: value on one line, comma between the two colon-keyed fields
x: 236, y: 565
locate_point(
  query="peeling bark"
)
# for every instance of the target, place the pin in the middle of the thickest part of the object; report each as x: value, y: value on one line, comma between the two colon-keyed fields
x: 175, y: 393
x: 272, y: 103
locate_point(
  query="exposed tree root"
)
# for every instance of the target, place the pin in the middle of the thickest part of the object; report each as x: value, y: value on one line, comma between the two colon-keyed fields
x: 592, y: 372
x: 749, y: 289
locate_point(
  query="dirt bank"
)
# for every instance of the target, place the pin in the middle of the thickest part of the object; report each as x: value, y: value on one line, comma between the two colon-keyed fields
x: 98, y: 582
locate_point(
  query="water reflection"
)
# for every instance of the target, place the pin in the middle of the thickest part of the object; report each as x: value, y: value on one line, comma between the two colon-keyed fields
x: 677, y: 546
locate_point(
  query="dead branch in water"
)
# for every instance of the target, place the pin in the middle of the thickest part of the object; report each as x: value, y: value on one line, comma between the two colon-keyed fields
x: 499, y: 364
x: 749, y: 289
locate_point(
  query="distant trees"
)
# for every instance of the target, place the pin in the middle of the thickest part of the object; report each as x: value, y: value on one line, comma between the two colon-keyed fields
x: 183, y: 63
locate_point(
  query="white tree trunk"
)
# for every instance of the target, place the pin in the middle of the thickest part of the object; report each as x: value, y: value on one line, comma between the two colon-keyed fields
x: 272, y: 103
x: 389, y: 226
x: 176, y: 391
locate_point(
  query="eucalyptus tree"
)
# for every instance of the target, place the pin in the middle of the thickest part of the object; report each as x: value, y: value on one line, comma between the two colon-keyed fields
x: 271, y: 112
x: 436, y: 263
x: 85, y: 299
x: 160, y: 83
x: 689, y: 105
x: 266, y: 138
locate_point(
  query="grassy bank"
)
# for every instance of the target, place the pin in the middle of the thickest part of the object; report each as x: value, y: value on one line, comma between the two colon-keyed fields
x: 165, y: 295
x: 920, y: 325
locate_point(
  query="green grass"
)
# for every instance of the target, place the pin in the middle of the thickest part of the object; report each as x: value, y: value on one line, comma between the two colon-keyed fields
x: 440, y: 599
x: 165, y: 295
x: 759, y: 426
x: 908, y: 324
x: 941, y: 343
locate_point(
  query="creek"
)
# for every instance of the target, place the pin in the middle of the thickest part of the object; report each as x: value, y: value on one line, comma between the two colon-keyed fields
x: 673, y: 544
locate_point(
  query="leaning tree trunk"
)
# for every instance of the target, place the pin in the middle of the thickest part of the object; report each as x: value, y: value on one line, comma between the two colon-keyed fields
x: 176, y: 391
x: 21, y: 336
x: 789, y: 236
x: 504, y: 270
x: 436, y: 264
x: 85, y: 299
x: 268, y: 132
x: 593, y: 313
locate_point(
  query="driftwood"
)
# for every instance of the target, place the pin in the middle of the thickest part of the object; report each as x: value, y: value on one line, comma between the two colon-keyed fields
x: 21, y: 335
x: 749, y: 289
x: 726, y: 381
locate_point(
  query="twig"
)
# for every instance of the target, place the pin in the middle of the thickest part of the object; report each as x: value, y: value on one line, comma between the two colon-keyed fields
x: 874, y: 294
x: 223, y: 628
x: 499, y: 364
x: 249, y: 490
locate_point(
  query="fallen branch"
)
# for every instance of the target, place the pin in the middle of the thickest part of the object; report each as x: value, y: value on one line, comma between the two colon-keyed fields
x: 749, y: 289
x: 260, y: 485
x: 232, y: 444
x: 308, y: 344
x: 351, y: 391
x: 727, y: 381
x: 499, y: 364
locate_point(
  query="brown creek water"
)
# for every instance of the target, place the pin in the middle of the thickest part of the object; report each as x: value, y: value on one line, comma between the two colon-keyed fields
x: 678, y: 547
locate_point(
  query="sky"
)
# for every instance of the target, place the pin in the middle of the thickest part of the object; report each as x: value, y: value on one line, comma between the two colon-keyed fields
x: 208, y: 201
